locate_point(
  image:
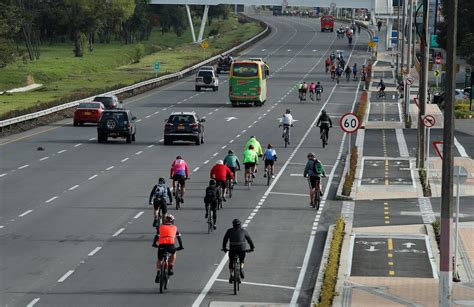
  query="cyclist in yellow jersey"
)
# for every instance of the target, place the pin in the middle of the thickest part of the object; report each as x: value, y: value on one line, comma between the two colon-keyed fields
x: 250, y: 160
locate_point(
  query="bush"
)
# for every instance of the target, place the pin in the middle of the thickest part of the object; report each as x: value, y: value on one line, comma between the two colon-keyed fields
x: 437, y: 229
x: 424, y: 183
x: 138, y: 52
x: 213, y: 32
x: 349, y: 179
x: 461, y: 109
x: 362, y: 106
x: 330, y: 274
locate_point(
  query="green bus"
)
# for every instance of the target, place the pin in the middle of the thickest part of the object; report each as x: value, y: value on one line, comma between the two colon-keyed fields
x: 248, y: 82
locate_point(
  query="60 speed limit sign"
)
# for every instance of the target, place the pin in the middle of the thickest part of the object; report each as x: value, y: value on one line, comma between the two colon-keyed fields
x: 349, y: 122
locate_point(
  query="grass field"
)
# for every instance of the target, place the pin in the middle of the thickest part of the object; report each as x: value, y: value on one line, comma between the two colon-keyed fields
x: 67, y: 78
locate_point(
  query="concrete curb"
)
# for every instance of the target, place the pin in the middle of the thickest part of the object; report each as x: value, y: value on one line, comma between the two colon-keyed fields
x: 339, y: 195
x: 322, y: 267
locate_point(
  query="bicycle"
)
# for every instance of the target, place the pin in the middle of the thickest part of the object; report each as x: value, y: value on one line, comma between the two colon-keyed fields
x: 210, y: 222
x: 220, y: 192
x: 325, y: 136
x: 230, y: 186
x: 236, y: 281
x: 381, y: 94
x: 337, y: 79
x: 348, y: 77
x: 311, y: 95
x: 248, y: 179
x: 164, y: 276
x: 302, y: 96
x: 318, y: 95
x: 333, y: 75
x: 269, y: 174
x: 286, y: 135
x: 317, y: 196
x: 179, y: 195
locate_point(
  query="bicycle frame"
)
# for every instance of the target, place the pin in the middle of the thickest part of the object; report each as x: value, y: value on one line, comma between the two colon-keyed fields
x: 164, y: 272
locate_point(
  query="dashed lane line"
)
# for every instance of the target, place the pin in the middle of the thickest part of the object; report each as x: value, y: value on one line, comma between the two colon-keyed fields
x: 109, y: 168
x: 65, y: 276
x: 118, y: 232
x: 25, y: 213
x: 123, y: 160
x: 61, y: 151
x: 73, y: 187
x: 94, y: 251
x: 92, y: 177
x: 51, y: 199
x: 138, y: 215
x: 44, y: 158
x: 33, y: 302
x: 77, y: 145
x: 4, y: 174
x: 24, y: 166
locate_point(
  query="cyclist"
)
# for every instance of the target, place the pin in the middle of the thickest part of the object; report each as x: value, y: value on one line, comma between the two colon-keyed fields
x: 363, y: 73
x: 312, y: 88
x: 287, y: 122
x: 210, y: 200
x: 319, y: 90
x: 256, y: 145
x: 303, y: 89
x: 166, y: 236
x: 179, y: 172
x: 233, y: 163
x: 324, y: 123
x: 333, y: 72
x: 400, y: 88
x: 270, y: 158
x: 313, y: 170
x: 338, y: 73
x: 328, y: 64
x: 332, y: 57
x: 382, y: 88
x: 348, y: 71
x: 354, y: 72
x: 160, y: 198
x: 250, y: 160
x: 220, y: 172
x: 237, y: 246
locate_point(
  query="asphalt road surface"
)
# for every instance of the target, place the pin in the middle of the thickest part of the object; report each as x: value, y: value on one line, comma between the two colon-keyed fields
x: 75, y: 227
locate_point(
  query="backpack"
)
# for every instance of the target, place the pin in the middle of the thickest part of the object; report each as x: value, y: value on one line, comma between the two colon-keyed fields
x: 211, y: 195
x: 318, y: 167
x: 160, y: 192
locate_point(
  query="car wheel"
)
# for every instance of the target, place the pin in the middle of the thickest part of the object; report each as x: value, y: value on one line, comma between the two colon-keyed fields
x: 198, y: 140
x: 129, y: 139
x: 133, y: 137
x: 167, y: 141
x: 202, y: 139
x: 75, y: 123
x: 197, y: 88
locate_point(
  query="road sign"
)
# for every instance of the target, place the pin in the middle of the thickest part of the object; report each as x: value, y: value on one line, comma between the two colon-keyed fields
x: 371, y: 44
x: 284, y: 3
x: 157, y: 67
x: 349, y: 122
x: 204, y: 45
x: 429, y: 121
x: 436, y: 73
x: 438, y: 145
x: 333, y: 5
x: 375, y: 39
x: 410, y: 80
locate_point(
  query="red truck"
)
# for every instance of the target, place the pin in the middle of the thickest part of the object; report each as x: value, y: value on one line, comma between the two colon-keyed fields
x: 327, y: 23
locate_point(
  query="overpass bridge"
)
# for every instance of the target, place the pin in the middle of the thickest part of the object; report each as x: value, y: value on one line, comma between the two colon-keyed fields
x: 379, y: 8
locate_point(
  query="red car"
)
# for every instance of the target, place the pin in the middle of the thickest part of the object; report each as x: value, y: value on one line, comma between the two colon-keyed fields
x: 88, y: 112
x: 327, y: 23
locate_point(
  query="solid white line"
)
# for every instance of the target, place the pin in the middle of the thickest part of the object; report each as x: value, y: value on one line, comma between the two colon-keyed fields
x: 94, y: 251
x: 22, y: 167
x: 460, y: 148
x: 259, y: 284
x: 65, y: 276
x: 51, y: 199
x: 291, y: 194
x: 92, y: 177
x: 118, y: 232
x: 402, y: 144
x: 74, y: 187
x: 44, y: 158
x: 123, y: 160
x: 138, y: 215
x: 25, y: 213
x: 33, y: 302
x: 77, y: 145
x: 4, y: 174
x: 109, y: 168
x: 138, y: 153
x: 61, y: 151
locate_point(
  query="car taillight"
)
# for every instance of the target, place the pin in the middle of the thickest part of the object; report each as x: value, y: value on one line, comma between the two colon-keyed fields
x: 230, y: 90
x: 194, y: 126
x: 168, y: 125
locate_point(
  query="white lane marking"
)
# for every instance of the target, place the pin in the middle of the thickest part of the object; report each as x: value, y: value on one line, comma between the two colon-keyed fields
x: 123, y: 160
x: 109, y: 168
x: 148, y: 116
x: 156, y: 112
x: 215, y: 154
x: 1, y: 226
x: 25, y: 213
x: 237, y: 136
x: 91, y: 139
x: 296, y: 175
x: 461, y: 149
x: 73, y: 187
x: 161, y: 140
x: 259, y: 284
x: 231, y: 141
x: 44, y: 158
x: 139, y: 120
x: 292, y: 194
x: 196, y: 169
x: 164, y: 109
x: 138, y: 215
x: 402, y: 144
x: 65, y: 276
x: 118, y: 232
x: 61, y: 151
x: 33, y: 302
x: 245, y: 130
x: 221, y: 147
x: 51, y: 199
x: 207, y: 161
x: 92, y: 177
x: 150, y: 146
x: 4, y: 174
x: 249, y: 126
x: 138, y: 153
x: 94, y: 251
x: 77, y: 145
x: 24, y: 166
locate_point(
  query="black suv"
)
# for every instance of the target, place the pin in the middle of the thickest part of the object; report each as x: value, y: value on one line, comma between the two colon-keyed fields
x: 184, y: 126
x: 116, y: 123
x: 110, y: 102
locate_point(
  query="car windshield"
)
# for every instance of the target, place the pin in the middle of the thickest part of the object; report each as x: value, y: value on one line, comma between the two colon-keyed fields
x: 88, y: 105
x: 205, y: 73
x: 105, y: 100
x: 245, y: 70
x: 326, y: 19
x: 181, y: 119
x: 120, y: 116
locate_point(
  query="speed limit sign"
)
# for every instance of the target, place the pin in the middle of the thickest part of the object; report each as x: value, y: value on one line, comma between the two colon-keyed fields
x: 349, y: 122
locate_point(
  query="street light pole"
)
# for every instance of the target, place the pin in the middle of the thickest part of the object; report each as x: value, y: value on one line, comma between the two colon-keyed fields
x: 445, y: 265
x: 421, y: 150
x: 402, y: 36
x: 409, y: 60
x: 397, y: 67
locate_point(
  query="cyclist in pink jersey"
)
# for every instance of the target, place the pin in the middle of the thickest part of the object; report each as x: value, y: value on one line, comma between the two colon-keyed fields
x: 179, y: 171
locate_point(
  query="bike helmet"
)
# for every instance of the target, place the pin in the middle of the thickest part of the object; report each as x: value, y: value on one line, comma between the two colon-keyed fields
x: 179, y: 157
x: 236, y: 223
x: 323, y: 111
x: 250, y: 146
x: 310, y: 155
x: 288, y: 111
x: 161, y: 180
x: 212, y: 182
x: 319, y: 83
x: 169, y: 218
x: 220, y: 162
x: 252, y: 137
x: 230, y: 152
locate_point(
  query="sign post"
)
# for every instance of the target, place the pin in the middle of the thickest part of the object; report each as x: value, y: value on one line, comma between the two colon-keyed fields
x: 349, y: 123
x: 157, y: 68
x: 204, y: 46
x: 428, y: 122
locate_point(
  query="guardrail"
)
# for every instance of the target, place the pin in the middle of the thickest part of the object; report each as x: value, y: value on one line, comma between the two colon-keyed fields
x: 176, y: 75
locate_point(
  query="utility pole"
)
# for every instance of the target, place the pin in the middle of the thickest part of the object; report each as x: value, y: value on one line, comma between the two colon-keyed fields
x: 409, y: 59
x: 445, y: 265
x: 423, y: 88
x: 397, y: 67
x: 402, y: 64
x: 413, y: 35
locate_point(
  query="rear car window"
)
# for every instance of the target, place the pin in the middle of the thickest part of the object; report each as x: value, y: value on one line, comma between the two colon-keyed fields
x: 88, y: 105
x: 181, y: 119
x: 120, y: 116
x: 104, y: 100
x: 204, y: 73
x: 245, y: 70
x: 327, y: 19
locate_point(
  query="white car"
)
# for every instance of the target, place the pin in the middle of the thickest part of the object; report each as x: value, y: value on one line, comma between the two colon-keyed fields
x: 459, y: 94
x: 206, y: 79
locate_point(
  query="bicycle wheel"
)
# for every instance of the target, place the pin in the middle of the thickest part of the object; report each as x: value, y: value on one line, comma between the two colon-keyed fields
x: 230, y: 187
x: 269, y: 176
x: 236, y: 276
x: 324, y: 139
x: 163, y: 275
x: 209, y: 222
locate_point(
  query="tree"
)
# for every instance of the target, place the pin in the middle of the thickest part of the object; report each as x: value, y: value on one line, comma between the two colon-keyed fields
x: 10, y: 25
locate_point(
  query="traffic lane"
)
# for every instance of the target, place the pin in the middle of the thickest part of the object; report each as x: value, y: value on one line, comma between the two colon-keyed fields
x: 467, y: 141
x: 374, y: 143
x: 384, y: 112
x: 436, y: 135
x: 383, y: 212
x: 466, y: 210
x: 385, y: 172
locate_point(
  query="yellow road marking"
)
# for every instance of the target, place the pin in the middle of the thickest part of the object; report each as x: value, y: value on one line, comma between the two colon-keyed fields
x: 390, y: 255
x: 386, y: 212
x: 387, y: 222
x: 391, y: 273
x: 390, y: 244
x: 390, y: 263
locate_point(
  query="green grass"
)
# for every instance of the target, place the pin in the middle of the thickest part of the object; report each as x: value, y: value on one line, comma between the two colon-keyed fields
x: 108, y: 66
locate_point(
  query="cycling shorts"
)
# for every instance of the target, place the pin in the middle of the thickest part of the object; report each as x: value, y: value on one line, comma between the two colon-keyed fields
x: 312, y: 181
x: 311, y: 90
x: 269, y: 162
x: 221, y: 183
x: 180, y: 178
x: 249, y: 166
x: 170, y: 248
x: 239, y: 253
x: 160, y: 204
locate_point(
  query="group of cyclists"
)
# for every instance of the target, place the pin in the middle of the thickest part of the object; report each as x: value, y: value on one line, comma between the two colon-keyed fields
x: 347, y: 31
x: 314, y: 88
x: 336, y: 64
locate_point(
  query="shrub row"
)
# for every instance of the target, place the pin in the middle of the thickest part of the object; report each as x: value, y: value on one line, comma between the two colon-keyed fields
x: 424, y: 183
x: 437, y: 229
x: 362, y: 106
x: 349, y: 179
x: 330, y: 274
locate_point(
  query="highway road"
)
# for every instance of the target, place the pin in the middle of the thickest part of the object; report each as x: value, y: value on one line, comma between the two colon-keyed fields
x: 75, y: 227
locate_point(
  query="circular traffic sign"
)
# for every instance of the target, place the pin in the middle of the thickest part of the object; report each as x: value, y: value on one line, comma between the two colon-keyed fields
x: 410, y: 80
x: 429, y: 121
x: 438, y: 61
x: 349, y: 122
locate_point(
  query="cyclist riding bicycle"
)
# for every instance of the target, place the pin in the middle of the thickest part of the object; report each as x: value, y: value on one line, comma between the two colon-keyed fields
x: 270, y: 157
x: 220, y: 172
x: 319, y: 89
x: 257, y: 148
x: 250, y: 160
x: 338, y: 72
x: 363, y: 73
x: 164, y: 240
x: 287, y: 122
x: 160, y: 198
x: 312, y: 89
x: 324, y: 123
x: 179, y: 172
x: 348, y: 72
x: 382, y: 88
x: 302, y: 90
x: 327, y: 63
x: 237, y: 246
x: 333, y: 71
x: 233, y: 163
x: 332, y: 56
x: 314, y: 171
x: 354, y: 71
x: 210, y: 200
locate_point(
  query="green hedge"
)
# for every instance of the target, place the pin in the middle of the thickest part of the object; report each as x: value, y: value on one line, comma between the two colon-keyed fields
x: 350, y: 176
x: 330, y: 274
